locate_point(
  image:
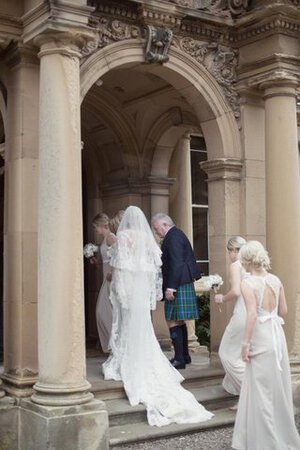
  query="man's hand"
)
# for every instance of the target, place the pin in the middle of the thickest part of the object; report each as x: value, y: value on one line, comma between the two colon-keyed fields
x: 169, y: 295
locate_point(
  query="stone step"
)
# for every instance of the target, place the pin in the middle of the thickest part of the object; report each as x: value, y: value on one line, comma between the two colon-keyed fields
x: 195, y: 376
x: 121, y: 413
x: 142, y: 432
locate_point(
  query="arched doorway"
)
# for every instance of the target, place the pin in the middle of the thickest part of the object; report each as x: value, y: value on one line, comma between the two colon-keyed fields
x: 134, y: 116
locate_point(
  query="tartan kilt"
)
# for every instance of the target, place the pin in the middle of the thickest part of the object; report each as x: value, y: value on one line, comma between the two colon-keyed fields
x: 184, y: 307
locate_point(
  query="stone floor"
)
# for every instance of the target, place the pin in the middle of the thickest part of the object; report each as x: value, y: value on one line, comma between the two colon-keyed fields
x: 207, y: 440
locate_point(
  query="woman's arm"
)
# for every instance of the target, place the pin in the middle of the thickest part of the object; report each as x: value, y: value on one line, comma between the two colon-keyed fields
x: 282, y: 306
x: 250, y: 302
x: 111, y: 239
x: 235, y: 285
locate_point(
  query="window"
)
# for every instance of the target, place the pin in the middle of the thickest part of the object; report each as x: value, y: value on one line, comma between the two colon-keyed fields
x: 199, y: 203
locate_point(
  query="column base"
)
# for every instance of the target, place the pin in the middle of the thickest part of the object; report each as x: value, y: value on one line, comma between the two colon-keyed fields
x: 9, y: 420
x: 18, y: 386
x: 61, y: 395
x: 75, y: 427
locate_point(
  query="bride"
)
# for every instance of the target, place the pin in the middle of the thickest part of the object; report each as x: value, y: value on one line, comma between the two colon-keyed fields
x: 136, y: 357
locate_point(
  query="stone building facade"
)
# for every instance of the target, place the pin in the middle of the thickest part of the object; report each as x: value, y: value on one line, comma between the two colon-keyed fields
x: 99, y: 101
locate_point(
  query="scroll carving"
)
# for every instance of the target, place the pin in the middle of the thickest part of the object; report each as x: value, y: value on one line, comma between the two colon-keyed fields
x: 220, y: 61
x: 110, y: 30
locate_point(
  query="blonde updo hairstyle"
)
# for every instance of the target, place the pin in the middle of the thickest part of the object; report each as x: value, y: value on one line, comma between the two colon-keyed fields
x: 235, y: 242
x: 115, y: 221
x: 253, y: 252
x: 101, y: 219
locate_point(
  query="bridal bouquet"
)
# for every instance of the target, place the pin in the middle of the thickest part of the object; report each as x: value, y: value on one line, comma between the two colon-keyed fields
x: 89, y: 250
x: 211, y: 282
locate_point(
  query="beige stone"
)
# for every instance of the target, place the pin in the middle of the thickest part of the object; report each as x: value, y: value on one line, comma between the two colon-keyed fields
x: 82, y: 427
x: 233, y: 83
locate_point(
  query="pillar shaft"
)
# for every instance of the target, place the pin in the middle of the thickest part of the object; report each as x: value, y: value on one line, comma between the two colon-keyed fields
x: 224, y: 178
x: 181, y: 200
x: 61, y: 334
x: 20, y: 224
x: 283, y: 199
x: 181, y: 208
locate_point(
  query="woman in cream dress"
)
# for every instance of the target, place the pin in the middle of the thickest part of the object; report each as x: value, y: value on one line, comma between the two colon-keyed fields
x: 230, y: 347
x: 107, y: 229
x: 265, y: 416
x: 103, y: 305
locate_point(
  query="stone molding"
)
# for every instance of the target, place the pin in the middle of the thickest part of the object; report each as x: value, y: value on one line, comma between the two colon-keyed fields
x: 276, y: 78
x: 205, y: 23
x: 56, y: 16
x: 18, y: 53
x: 223, y: 169
x: 222, y: 7
x: 139, y: 186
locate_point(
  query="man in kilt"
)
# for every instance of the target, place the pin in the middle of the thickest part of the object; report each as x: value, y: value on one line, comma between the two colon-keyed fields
x: 179, y: 270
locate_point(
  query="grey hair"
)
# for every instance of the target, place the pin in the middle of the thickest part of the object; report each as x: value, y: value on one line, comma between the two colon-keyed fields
x: 162, y: 217
x: 235, y: 242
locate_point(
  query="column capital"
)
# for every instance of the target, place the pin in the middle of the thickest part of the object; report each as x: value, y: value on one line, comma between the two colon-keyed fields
x: 277, y: 83
x: 223, y: 169
x: 18, y: 53
x: 69, y: 43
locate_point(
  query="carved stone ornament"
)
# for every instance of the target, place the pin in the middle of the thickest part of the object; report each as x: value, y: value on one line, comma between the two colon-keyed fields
x: 110, y: 30
x: 158, y: 43
x: 220, y: 61
x: 220, y: 7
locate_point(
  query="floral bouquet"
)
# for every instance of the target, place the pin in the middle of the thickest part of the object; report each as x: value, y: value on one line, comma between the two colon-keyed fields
x: 89, y: 250
x: 211, y: 282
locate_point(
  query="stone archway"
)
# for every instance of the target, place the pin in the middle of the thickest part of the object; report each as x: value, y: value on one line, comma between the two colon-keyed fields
x: 188, y: 77
x: 211, y: 113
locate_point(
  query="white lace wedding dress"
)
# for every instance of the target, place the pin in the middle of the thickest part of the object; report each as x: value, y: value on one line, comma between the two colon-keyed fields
x: 137, y: 358
x: 265, y: 416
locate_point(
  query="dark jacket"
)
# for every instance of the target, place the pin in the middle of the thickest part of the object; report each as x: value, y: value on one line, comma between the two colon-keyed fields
x: 178, y: 260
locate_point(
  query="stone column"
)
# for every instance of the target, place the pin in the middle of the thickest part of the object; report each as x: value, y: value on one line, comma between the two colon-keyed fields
x: 62, y: 371
x: 160, y: 192
x: 181, y: 200
x: 61, y: 409
x: 181, y: 211
x: 283, y: 195
x: 224, y: 175
x: 20, y: 222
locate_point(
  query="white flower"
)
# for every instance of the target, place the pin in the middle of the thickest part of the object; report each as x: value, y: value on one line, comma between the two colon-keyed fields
x: 89, y: 250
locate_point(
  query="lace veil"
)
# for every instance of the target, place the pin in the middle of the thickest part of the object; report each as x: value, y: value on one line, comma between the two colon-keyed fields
x: 136, y: 248
x: 136, y: 260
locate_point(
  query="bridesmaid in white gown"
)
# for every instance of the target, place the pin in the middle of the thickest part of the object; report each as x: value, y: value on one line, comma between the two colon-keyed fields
x: 230, y: 347
x: 136, y: 356
x: 265, y: 416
